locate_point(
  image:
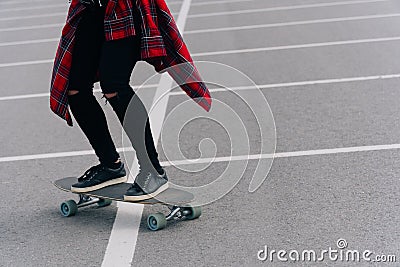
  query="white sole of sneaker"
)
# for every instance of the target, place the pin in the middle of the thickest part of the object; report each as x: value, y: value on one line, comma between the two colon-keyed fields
x: 145, y: 197
x: 99, y: 186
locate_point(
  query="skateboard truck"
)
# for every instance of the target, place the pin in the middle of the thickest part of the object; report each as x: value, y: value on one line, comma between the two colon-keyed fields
x: 70, y: 207
x: 87, y: 201
x: 158, y: 221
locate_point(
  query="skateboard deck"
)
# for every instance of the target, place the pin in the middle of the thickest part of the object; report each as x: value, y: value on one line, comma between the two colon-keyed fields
x: 175, y: 199
x: 171, y: 196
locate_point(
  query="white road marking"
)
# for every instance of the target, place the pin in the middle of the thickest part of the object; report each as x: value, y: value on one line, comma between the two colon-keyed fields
x: 57, y: 25
x: 122, y: 243
x: 36, y: 7
x: 235, y: 51
x: 304, y: 153
x: 55, y: 155
x: 239, y: 51
x: 37, y: 1
x: 23, y: 1
x: 302, y: 83
x: 250, y: 50
x: 238, y: 28
x: 237, y: 12
x: 32, y: 7
x: 25, y: 63
x: 37, y: 41
x: 206, y: 3
x: 235, y: 88
x: 16, y: 97
x: 66, y: 5
x: 56, y: 14
x: 47, y: 156
x: 293, y: 23
x: 32, y: 27
x: 281, y: 8
x: 27, y: 96
x: 298, y: 46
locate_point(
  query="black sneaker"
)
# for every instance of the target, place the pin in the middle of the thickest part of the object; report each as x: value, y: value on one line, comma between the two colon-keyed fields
x: 147, y: 185
x: 99, y: 176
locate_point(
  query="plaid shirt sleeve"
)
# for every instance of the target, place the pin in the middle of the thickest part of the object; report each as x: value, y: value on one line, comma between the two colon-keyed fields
x: 62, y: 64
x: 178, y: 59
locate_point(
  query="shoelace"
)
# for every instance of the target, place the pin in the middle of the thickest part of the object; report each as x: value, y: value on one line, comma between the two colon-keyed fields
x: 90, y: 173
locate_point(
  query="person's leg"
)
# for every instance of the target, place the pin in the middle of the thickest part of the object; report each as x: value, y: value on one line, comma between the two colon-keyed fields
x: 85, y: 108
x: 91, y: 119
x: 116, y: 65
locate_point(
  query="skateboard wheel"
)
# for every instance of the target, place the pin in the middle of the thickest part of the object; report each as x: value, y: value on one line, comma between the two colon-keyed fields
x: 156, y: 221
x: 104, y: 203
x: 193, y: 213
x: 68, y: 208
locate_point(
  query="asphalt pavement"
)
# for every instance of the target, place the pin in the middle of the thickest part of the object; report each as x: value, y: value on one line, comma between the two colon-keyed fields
x: 330, y: 74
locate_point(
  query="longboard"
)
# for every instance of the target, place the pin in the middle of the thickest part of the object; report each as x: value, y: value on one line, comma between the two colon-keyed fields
x: 175, y: 199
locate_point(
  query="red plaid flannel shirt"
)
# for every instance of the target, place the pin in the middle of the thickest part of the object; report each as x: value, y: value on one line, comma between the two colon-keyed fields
x: 161, y: 45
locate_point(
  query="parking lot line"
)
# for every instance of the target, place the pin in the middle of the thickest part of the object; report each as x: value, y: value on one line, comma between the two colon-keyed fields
x: 303, y: 153
x: 37, y: 41
x: 206, y: 3
x: 237, y: 12
x: 47, y: 15
x: 299, y: 46
x: 241, y: 51
x: 294, y: 23
x: 32, y: 7
x: 38, y: 1
x: 32, y: 27
x: 236, y: 88
x: 22, y: 2
x: 27, y: 96
x: 282, y: 8
x: 238, y: 28
x: 36, y: 7
x: 302, y: 83
x: 25, y: 63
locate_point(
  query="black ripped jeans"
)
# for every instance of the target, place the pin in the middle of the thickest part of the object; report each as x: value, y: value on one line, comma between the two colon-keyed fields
x: 115, y: 61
